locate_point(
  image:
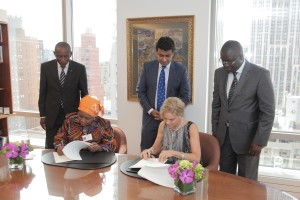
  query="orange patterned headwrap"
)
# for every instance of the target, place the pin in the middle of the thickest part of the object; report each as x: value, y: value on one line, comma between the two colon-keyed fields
x: 91, y: 105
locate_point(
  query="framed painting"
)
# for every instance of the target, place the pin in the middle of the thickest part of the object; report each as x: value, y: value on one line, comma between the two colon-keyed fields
x: 142, y: 35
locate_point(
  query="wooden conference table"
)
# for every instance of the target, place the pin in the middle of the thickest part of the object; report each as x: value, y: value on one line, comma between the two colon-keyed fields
x: 41, y: 181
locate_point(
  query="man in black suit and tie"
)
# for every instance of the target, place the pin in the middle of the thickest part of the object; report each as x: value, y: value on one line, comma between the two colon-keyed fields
x: 62, y: 82
x: 160, y: 79
x: 243, y: 111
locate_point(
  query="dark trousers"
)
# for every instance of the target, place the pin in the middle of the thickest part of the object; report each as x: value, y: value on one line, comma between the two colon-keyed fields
x: 52, y: 131
x: 149, y: 133
x: 229, y: 161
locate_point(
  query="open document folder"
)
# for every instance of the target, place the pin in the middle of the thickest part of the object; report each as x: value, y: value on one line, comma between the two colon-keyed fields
x: 71, y: 151
x: 155, y: 171
x: 151, y: 162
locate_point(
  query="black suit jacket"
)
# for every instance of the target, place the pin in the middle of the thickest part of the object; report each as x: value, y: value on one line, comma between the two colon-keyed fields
x: 51, y: 92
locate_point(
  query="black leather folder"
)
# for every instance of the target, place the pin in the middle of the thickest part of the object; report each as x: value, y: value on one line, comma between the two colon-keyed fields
x: 90, y: 160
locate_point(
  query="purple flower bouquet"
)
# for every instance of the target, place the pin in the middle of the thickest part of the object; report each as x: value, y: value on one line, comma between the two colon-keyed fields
x: 186, y: 174
x: 15, y: 152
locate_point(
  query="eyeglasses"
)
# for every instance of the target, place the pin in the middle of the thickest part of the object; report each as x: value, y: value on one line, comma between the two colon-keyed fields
x: 227, y: 62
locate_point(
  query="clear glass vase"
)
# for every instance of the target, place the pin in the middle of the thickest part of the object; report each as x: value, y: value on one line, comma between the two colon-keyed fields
x: 184, y: 188
x: 16, y: 163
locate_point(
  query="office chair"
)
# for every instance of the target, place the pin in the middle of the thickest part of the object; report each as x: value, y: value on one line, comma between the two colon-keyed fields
x: 121, y: 140
x: 210, y: 151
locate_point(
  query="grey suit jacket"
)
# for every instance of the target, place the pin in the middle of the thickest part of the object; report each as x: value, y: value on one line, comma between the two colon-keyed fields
x: 51, y: 92
x: 178, y: 86
x: 251, y: 112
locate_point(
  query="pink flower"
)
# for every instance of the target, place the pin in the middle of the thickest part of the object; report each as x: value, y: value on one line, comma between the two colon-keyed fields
x: 187, y: 171
x: 186, y: 176
x: 176, y: 164
x: 173, y: 170
x: 194, y: 163
x: 24, y: 150
x: 12, y: 150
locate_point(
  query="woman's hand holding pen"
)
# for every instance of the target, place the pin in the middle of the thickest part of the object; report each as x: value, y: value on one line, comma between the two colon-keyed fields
x: 147, y: 153
x: 59, y: 150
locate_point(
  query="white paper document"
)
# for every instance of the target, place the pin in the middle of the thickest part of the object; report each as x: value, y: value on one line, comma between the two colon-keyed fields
x: 151, y: 162
x: 158, y: 175
x: 60, y: 159
x: 72, y: 149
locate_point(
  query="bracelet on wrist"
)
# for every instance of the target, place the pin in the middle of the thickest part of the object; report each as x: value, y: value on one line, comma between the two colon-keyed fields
x: 182, y: 156
x: 152, y: 151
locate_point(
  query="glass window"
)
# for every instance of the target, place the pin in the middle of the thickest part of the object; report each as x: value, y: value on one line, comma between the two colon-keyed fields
x: 265, y: 30
x: 33, y: 34
x: 95, y: 47
x: 263, y: 33
x: 34, y: 28
x: 26, y: 128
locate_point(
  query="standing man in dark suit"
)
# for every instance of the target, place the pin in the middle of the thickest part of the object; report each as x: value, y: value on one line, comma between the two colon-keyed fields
x: 243, y: 111
x: 175, y: 84
x: 62, y: 82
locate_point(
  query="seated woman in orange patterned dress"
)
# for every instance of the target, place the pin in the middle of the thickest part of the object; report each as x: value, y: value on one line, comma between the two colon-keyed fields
x: 87, y: 126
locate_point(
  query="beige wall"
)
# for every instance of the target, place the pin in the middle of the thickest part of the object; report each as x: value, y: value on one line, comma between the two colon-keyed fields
x: 130, y: 113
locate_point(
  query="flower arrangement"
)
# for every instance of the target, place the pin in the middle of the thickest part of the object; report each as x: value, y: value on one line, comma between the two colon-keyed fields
x: 187, y: 171
x: 185, y: 174
x: 16, y: 152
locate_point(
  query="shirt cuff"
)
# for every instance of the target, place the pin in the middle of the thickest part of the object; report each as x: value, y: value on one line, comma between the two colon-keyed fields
x: 149, y: 111
x: 56, y: 146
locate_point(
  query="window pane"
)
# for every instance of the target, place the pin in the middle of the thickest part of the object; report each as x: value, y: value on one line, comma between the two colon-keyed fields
x: 270, y: 39
x: 33, y: 34
x: 26, y: 127
x: 279, y: 158
x: 269, y: 33
x: 34, y: 28
x: 95, y: 47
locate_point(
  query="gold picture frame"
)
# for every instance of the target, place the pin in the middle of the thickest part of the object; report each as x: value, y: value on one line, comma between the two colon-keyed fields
x: 142, y: 35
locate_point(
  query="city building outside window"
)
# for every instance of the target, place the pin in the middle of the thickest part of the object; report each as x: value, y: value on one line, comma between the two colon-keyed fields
x: 269, y: 33
x: 95, y: 46
x: 32, y: 40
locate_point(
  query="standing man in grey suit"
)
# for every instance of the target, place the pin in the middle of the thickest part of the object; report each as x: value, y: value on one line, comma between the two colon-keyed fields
x: 243, y: 111
x: 62, y: 82
x: 176, y: 84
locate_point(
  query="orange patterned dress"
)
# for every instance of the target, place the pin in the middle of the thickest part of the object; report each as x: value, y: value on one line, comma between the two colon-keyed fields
x: 100, y: 129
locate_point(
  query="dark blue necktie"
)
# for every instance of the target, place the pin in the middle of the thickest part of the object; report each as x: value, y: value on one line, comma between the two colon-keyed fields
x: 161, y: 88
